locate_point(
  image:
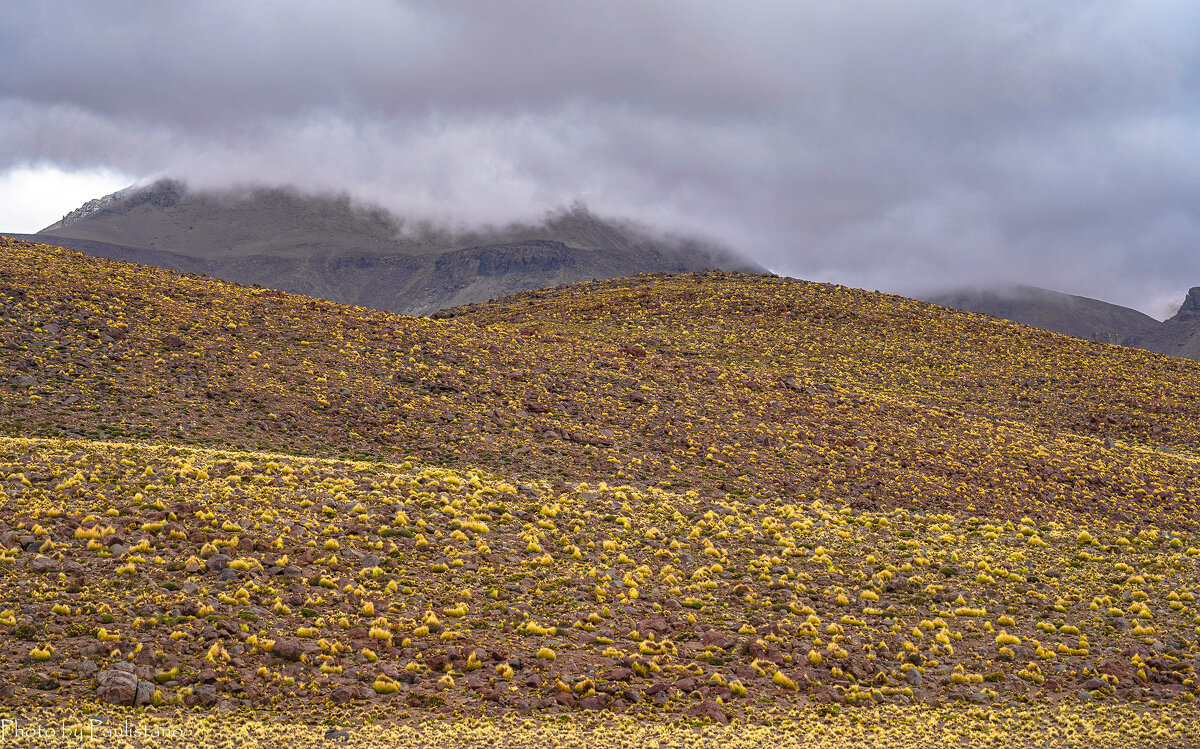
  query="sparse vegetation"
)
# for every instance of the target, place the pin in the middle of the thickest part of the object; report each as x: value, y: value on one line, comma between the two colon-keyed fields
x: 608, y: 502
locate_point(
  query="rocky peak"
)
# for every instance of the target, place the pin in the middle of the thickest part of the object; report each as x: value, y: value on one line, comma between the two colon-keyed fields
x: 1190, y: 309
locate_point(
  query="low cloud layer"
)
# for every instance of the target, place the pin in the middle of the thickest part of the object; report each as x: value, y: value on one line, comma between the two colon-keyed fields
x: 899, y: 146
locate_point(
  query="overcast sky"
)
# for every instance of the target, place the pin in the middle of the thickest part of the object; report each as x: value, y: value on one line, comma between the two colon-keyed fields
x: 891, y: 144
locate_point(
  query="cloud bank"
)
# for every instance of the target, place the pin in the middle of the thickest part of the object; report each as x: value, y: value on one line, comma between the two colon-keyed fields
x: 899, y: 146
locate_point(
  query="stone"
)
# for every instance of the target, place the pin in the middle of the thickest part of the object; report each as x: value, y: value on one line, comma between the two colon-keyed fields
x: 288, y: 650
x: 206, y: 694
x: 914, y: 678
x: 145, y: 693
x: 594, y: 702
x: 42, y: 565
x: 117, y: 687
x: 343, y: 694
x: 711, y: 710
x: 23, y: 381
x: 218, y: 562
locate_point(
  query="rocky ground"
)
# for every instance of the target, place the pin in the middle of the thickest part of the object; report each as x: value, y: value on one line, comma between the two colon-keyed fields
x: 623, y: 524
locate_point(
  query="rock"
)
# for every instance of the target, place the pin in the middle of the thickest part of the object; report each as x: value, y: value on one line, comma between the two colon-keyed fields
x: 145, y: 693
x: 914, y: 678
x: 1084, y: 695
x: 206, y: 694
x: 288, y: 650
x: 118, y: 550
x: 173, y: 341
x: 42, y: 565
x: 51, y: 328
x: 1093, y: 684
x: 594, y: 702
x: 227, y: 575
x: 344, y: 694
x: 621, y: 674
x: 979, y: 697
x: 711, y: 710
x: 218, y: 562
x: 368, y: 561
x: 86, y: 668
x: 192, y: 566
x: 117, y: 687
x: 23, y: 381
x: 42, y: 682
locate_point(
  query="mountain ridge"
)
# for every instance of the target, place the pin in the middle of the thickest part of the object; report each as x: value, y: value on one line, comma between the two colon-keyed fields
x: 332, y: 247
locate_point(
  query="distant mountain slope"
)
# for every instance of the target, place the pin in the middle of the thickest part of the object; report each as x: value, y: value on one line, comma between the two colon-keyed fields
x: 1178, y: 336
x: 1082, y: 317
x: 332, y: 248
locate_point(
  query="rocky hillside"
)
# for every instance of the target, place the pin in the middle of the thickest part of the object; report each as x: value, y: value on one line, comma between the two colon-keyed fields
x: 332, y: 248
x: 806, y: 509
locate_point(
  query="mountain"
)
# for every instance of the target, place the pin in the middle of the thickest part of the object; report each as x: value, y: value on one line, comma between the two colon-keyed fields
x: 1177, y: 336
x: 1086, y: 318
x: 1078, y: 316
x: 332, y: 248
x: 710, y: 496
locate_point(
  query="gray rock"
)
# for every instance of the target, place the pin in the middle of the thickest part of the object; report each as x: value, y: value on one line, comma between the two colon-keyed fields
x: 145, y: 693
x: 1084, y: 695
x: 227, y: 574
x: 42, y: 565
x: 86, y: 668
x: 206, y: 694
x: 218, y: 562
x: 979, y: 697
x: 914, y: 678
x: 117, y: 687
x: 52, y: 328
x: 23, y: 381
x: 368, y: 561
x: 335, y: 734
x: 118, y: 550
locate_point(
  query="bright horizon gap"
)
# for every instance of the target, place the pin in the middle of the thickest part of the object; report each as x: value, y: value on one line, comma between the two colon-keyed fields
x: 34, y: 196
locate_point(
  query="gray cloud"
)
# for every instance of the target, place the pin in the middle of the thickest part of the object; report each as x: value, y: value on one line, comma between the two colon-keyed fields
x: 892, y: 145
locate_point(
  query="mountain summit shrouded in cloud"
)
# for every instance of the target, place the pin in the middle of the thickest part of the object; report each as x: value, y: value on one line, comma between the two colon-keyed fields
x: 895, y: 146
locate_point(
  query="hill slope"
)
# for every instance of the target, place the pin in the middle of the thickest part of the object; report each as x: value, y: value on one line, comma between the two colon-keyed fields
x: 715, y: 495
x: 329, y: 247
x: 1082, y: 317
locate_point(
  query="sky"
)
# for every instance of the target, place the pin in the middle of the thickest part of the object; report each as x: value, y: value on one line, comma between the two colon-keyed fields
x: 900, y: 145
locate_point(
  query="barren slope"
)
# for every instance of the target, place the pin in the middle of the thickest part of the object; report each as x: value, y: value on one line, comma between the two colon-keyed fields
x: 712, y: 496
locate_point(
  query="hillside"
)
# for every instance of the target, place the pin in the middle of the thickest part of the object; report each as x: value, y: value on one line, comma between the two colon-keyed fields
x: 329, y: 247
x: 704, y: 496
x: 1082, y: 317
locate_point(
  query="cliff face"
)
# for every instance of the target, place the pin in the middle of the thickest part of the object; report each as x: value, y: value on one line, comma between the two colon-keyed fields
x: 532, y: 257
x: 330, y: 247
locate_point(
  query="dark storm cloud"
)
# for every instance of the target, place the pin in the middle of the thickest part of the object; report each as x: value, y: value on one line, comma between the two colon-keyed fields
x: 892, y: 145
